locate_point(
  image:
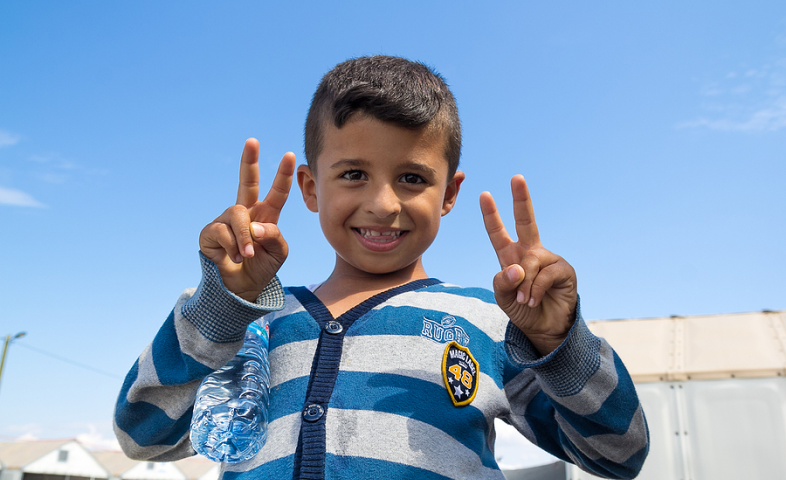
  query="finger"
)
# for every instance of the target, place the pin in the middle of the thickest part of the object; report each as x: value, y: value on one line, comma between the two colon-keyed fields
x: 240, y: 223
x: 506, y: 282
x: 531, y: 265
x: 219, y: 236
x: 556, y: 276
x: 546, y: 279
x: 523, y: 213
x: 269, y: 237
x: 494, y: 227
x: 279, y: 191
x: 248, y: 186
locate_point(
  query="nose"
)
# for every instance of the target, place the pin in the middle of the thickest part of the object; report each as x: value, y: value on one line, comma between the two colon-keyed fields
x: 382, y: 201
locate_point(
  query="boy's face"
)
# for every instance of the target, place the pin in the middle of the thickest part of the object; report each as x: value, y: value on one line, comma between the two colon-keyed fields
x: 380, y: 191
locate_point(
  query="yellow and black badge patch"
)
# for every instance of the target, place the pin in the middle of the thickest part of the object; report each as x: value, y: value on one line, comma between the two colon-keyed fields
x: 461, y: 374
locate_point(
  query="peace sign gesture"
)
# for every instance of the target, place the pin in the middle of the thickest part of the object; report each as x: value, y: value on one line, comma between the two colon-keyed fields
x: 536, y: 288
x: 244, y: 242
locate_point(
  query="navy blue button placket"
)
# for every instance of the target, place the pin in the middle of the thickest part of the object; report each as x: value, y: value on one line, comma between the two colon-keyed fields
x: 312, y: 446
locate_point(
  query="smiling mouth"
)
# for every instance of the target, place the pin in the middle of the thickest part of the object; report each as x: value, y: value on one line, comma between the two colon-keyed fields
x: 381, y: 240
x: 380, y: 236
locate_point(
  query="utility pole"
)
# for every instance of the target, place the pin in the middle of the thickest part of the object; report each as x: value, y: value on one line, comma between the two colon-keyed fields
x: 8, y: 340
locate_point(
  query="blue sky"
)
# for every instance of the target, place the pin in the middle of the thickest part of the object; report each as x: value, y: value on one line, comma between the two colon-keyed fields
x: 653, y: 138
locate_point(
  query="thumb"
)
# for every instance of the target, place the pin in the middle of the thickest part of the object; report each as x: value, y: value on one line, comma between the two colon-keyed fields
x: 506, y: 284
x: 269, y: 237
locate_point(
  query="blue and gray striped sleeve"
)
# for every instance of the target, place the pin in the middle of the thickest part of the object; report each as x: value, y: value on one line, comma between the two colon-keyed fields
x: 203, y: 332
x: 578, y: 403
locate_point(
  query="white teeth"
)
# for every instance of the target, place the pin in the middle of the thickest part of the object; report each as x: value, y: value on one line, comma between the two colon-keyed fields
x: 374, y: 233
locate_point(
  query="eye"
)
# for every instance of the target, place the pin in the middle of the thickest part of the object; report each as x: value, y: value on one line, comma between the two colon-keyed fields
x: 353, y: 175
x: 411, y: 178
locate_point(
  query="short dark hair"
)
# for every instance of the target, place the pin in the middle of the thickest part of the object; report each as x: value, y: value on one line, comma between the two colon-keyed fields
x: 392, y: 89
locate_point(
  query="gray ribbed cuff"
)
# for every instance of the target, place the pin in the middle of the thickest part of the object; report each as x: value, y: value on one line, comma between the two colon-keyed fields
x: 220, y: 315
x: 566, y: 369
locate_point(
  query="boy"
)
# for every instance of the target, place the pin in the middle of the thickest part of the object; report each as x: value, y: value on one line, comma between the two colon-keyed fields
x: 381, y: 371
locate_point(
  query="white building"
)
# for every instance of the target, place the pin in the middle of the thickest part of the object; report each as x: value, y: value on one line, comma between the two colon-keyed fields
x: 123, y: 468
x: 49, y: 460
x: 69, y: 460
x: 199, y: 468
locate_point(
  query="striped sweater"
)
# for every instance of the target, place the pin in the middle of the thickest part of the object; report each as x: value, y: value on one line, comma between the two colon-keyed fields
x: 405, y: 385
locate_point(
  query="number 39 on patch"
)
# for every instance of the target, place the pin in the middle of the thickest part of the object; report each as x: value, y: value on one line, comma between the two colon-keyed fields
x: 461, y: 374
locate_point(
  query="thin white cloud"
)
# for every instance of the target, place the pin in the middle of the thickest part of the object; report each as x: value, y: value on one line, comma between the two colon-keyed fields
x: 95, y: 440
x: 55, y: 160
x: 93, y: 435
x: 18, y: 198
x: 53, y: 168
x: 768, y: 118
x: 24, y: 433
x: 751, y: 99
x: 7, y: 138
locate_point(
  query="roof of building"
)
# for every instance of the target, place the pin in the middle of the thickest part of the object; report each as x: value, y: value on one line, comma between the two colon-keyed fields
x: 741, y: 345
x: 15, y: 455
x: 195, y: 467
x: 115, y: 462
x: 118, y: 464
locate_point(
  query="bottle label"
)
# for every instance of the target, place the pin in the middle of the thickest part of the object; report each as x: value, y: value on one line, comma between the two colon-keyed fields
x: 259, y: 329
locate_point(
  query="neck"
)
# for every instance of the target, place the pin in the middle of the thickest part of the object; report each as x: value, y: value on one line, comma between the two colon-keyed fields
x: 348, y: 286
x: 353, y: 279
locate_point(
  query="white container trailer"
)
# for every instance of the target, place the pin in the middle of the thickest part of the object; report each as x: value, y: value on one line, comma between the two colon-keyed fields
x: 714, y: 393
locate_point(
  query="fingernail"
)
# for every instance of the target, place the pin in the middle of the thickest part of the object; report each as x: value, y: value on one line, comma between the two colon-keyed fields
x: 249, y: 251
x: 520, y: 297
x: 238, y: 258
x: 258, y: 230
x: 514, y: 275
x: 531, y: 302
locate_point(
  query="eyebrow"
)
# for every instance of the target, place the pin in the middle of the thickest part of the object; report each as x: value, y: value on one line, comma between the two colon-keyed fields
x: 347, y: 162
x: 416, y: 166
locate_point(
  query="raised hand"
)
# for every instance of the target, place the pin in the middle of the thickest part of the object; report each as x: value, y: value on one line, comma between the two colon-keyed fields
x: 244, y: 241
x: 536, y: 288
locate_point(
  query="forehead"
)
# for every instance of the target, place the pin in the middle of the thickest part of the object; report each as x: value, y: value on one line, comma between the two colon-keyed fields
x: 372, y: 142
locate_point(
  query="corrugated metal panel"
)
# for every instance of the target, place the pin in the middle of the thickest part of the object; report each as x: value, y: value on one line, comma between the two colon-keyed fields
x: 737, y: 428
x: 713, y: 429
x: 713, y: 390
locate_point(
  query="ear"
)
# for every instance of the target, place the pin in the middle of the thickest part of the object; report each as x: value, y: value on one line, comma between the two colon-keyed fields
x: 307, y: 182
x: 451, y: 192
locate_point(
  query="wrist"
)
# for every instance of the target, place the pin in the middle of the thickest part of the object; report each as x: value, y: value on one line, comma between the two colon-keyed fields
x: 222, y: 316
x: 545, y: 343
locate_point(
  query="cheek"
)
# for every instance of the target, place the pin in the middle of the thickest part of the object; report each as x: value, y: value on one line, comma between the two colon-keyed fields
x: 333, y: 212
x: 428, y: 215
x: 431, y: 206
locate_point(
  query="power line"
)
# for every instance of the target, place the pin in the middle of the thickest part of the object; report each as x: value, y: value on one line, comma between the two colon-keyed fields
x: 63, y: 359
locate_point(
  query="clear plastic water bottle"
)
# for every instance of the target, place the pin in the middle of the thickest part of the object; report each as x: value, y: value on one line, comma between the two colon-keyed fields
x: 231, y: 408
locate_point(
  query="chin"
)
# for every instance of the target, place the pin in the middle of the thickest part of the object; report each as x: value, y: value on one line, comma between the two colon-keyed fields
x: 380, y: 270
x: 381, y: 267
